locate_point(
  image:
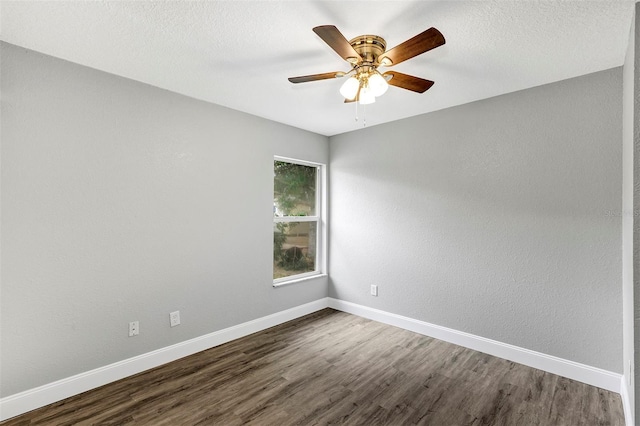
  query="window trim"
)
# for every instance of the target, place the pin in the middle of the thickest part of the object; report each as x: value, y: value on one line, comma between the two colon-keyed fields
x: 319, y: 218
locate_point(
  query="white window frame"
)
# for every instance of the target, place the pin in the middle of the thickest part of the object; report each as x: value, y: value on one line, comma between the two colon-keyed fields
x: 319, y: 218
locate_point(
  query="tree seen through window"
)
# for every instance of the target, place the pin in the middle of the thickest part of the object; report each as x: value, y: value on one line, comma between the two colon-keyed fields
x: 295, y: 219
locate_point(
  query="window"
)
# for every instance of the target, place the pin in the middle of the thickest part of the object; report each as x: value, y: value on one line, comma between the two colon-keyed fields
x: 297, y: 225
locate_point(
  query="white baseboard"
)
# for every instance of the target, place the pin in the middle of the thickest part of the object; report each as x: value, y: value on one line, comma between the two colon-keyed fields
x: 562, y: 367
x: 626, y: 402
x: 23, y: 402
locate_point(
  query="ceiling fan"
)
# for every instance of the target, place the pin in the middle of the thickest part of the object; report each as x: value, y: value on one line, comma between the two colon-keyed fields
x: 365, y: 54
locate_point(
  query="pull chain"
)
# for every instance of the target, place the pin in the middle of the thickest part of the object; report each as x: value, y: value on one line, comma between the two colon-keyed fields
x: 364, y: 113
x: 356, y: 110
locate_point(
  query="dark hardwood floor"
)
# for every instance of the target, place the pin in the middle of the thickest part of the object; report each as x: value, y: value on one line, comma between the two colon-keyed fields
x: 334, y: 368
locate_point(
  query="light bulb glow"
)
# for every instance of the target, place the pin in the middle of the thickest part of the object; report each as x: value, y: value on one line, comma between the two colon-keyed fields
x: 349, y: 88
x: 366, y: 96
x: 378, y: 84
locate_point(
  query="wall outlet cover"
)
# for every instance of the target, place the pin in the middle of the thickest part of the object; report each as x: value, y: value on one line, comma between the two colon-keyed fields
x: 134, y: 328
x: 174, y: 318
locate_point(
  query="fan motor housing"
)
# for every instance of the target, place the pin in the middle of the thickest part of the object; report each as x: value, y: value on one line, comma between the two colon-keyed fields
x: 369, y: 47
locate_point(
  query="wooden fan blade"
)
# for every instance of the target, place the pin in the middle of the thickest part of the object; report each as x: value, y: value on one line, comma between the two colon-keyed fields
x: 409, y: 82
x: 315, y: 77
x: 334, y: 38
x: 423, y: 42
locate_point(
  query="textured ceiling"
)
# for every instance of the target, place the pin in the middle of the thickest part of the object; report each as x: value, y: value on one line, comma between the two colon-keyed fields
x: 240, y: 53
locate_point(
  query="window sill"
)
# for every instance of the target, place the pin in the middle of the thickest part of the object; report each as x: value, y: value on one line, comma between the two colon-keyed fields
x: 298, y: 280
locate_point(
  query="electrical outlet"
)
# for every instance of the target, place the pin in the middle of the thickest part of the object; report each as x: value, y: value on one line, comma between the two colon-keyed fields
x: 134, y: 328
x: 374, y: 290
x: 174, y: 318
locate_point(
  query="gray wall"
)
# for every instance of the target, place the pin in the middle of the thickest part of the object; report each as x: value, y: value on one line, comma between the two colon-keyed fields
x: 123, y: 202
x: 499, y: 218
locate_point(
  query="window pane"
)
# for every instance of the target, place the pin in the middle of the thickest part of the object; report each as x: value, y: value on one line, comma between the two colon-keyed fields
x: 294, y: 190
x: 294, y: 248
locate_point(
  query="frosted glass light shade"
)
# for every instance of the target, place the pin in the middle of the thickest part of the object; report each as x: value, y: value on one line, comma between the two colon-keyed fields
x: 349, y: 88
x: 378, y: 84
x: 366, y: 96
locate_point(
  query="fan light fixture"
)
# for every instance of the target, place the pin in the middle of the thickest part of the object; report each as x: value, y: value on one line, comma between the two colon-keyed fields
x: 366, y: 96
x: 369, y: 85
x: 350, y: 88
x: 378, y: 84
